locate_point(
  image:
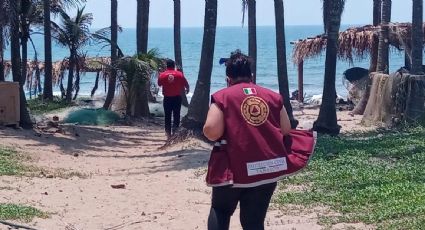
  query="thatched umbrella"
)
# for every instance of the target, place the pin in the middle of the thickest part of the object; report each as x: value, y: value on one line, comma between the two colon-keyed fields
x: 353, y: 42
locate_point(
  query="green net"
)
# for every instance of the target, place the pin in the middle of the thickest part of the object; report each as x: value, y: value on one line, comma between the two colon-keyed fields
x: 92, y: 117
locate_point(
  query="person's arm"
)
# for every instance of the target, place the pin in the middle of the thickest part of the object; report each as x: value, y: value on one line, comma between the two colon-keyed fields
x: 214, y: 125
x: 285, y: 124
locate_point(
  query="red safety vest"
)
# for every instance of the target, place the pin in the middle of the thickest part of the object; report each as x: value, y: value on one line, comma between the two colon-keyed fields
x: 252, y: 150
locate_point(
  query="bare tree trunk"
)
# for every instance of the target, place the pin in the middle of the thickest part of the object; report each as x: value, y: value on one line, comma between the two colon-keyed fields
x: 142, y: 25
x: 71, y: 67
x: 199, y: 104
x: 415, y: 102
x: 383, y: 50
x: 2, y: 76
x: 96, y: 84
x: 48, y: 78
x: 114, y: 56
x: 282, y: 67
x: 327, y: 120
x: 178, y: 45
x: 252, y: 37
x: 25, y: 119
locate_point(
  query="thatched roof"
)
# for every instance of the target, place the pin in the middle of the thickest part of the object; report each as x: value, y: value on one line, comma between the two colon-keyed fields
x: 354, y: 42
x: 94, y: 65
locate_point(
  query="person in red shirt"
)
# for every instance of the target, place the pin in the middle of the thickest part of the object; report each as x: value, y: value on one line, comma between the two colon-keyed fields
x: 173, y: 83
x: 249, y: 122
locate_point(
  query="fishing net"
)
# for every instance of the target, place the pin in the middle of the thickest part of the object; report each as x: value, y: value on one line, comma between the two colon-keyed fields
x: 92, y: 117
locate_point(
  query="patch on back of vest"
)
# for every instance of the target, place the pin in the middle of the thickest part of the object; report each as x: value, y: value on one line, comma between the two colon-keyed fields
x: 267, y: 166
x: 255, y: 110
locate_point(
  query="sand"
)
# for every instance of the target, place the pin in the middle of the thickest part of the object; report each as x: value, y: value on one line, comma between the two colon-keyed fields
x: 163, y: 189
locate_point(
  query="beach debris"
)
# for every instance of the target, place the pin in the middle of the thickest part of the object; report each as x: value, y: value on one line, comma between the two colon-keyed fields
x: 118, y: 186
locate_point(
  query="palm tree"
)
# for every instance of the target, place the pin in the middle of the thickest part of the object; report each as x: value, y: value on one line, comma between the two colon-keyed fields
x: 198, y: 107
x: 114, y: 54
x: 361, y: 106
x: 142, y: 25
x: 25, y: 120
x: 383, y: 48
x: 327, y: 120
x: 282, y: 68
x: 136, y: 75
x: 73, y: 33
x: 250, y: 5
x: 177, y: 43
x: 48, y: 79
x: 48, y: 7
x: 415, y: 102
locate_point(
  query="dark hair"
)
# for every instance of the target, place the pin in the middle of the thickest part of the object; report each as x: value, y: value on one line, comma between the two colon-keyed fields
x: 238, y: 65
x: 170, y: 63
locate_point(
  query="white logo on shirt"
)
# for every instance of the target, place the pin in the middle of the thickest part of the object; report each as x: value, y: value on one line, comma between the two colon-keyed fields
x: 170, y: 78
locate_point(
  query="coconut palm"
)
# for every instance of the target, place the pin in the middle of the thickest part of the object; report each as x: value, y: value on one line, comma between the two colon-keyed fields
x: 282, y: 68
x: 198, y: 107
x: 114, y: 54
x: 142, y: 26
x: 415, y: 102
x: 73, y: 33
x: 136, y: 75
x: 177, y: 43
x: 3, y: 23
x: 327, y: 120
x: 383, y: 48
x: 48, y: 7
x: 250, y: 6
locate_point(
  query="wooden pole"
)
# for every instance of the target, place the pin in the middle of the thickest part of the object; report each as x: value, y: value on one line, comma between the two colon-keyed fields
x: 301, y: 81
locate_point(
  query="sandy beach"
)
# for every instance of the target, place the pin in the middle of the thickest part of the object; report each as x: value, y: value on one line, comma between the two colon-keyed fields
x: 158, y: 189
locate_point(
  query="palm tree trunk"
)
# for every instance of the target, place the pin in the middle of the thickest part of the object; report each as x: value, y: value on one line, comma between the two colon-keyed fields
x: 327, y: 120
x: 114, y: 56
x: 77, y: 80
x: 417, y: 37
x: 24, y: 43
x: 198, y: 107
x: 361, y: 106
x: 96, y: 84
x: 48, y: 78
x: 2, y: 77
x: 252, y: 37
x: 25, y: 119
x: 282, y: 68
x: 383, y: 50
x: 142, y: 25
x: 177, y: 44
x: 415, y: 102
x: 71, y: 68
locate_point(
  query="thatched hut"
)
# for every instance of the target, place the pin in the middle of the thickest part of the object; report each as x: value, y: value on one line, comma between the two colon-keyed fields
x: 355, y: 42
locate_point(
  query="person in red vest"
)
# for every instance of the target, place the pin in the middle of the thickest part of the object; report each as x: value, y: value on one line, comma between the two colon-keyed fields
x: 173, y: 84
x: 248, y: 123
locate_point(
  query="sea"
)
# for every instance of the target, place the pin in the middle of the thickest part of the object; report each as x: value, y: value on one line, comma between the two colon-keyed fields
x: 228, y: 39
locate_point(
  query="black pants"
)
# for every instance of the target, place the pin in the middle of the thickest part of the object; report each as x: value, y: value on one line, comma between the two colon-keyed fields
x: 172, y: 106
x: 254, y: 203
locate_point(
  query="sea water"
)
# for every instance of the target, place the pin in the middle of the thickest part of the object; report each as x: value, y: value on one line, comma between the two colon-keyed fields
x: 228, y: 39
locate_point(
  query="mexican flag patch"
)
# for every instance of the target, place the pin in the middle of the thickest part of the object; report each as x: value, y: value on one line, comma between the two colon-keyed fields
x: 249, y: 91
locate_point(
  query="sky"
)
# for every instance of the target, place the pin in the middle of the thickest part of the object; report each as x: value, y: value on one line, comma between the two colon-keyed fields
x: 297, y: 12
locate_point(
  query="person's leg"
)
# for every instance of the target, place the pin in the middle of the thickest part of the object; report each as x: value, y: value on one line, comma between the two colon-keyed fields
x: 176, y: 113
x: 167, y: 113
x: 223, y: 204
x: 254, y: 203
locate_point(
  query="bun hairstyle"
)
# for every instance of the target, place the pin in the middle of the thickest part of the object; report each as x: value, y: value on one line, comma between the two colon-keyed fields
x: 238, y: 65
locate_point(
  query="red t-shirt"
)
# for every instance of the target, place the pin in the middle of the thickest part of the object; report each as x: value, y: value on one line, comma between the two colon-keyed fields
x: 173, y: 82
